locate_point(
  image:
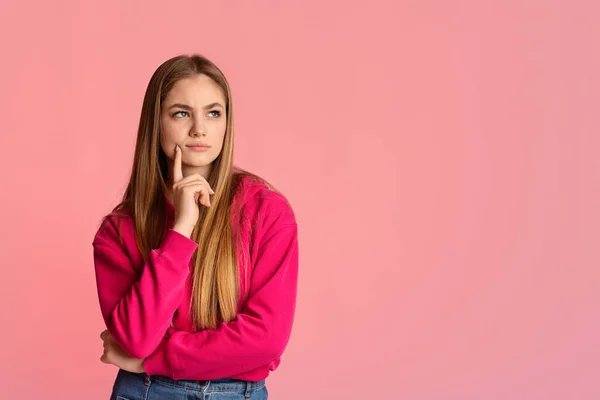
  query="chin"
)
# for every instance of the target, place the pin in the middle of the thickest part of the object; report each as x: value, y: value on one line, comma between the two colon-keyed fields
x: 196, y: 164
x: 198, y: 161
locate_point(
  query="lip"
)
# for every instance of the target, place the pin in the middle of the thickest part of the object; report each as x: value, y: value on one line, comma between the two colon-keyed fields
x: 198, y: 147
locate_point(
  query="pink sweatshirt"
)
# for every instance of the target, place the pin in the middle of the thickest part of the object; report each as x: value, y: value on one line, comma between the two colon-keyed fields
x: 138, y: 300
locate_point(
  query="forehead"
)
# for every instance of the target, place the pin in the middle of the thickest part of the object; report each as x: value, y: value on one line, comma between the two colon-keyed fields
x: 197, y: 90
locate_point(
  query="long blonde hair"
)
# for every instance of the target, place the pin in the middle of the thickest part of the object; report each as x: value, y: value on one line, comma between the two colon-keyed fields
x: 216, y: 275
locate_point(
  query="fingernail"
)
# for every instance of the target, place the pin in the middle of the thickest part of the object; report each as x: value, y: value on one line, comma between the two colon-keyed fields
x: 176, y: 148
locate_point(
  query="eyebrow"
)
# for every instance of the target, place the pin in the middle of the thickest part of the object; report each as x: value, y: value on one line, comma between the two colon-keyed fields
x: 186, y: 107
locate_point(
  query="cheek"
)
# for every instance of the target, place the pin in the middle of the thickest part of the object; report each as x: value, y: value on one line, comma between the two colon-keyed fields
x: 165, y: 133
x: 164, y: 144
x: 168, y: 138
x: 222, y: 132
x: 220, y: 143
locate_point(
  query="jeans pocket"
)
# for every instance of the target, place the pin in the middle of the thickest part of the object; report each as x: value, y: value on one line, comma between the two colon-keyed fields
x: 261, y: 394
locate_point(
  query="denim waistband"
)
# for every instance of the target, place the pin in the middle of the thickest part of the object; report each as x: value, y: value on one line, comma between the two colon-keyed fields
x: 213, y: 385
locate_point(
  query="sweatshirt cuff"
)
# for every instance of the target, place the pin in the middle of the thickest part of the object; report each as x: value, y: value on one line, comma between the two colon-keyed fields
x: 157, y: 363
x: 178, y: 247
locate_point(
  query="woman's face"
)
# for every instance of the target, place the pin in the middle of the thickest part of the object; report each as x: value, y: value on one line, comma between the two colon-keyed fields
x: 193, y: 114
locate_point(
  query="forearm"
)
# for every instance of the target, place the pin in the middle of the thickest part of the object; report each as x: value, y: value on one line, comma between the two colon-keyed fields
x: 138, y: 313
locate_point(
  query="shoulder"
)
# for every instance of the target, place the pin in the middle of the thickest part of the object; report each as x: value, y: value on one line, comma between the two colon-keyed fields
x: 114, y: 227
x: 264, y: 204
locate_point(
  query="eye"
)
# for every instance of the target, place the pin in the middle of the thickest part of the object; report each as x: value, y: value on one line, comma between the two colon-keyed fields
x: 179, y: 112
x: 217, y: 112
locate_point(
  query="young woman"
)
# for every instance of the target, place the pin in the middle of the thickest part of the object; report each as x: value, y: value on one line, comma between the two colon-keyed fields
x: 197, y: 267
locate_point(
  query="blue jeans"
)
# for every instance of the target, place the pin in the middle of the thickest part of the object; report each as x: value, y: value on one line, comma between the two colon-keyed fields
x: 132, y: 386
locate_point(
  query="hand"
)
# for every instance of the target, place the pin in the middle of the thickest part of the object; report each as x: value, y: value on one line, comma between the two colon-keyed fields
x: 114, y: 354
x: 187, y: 193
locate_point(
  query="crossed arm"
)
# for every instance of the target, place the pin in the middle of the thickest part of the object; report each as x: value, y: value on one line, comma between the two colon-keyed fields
x: 138, y: 309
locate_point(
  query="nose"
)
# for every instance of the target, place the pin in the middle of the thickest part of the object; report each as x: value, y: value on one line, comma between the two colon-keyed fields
x: 197, y: 130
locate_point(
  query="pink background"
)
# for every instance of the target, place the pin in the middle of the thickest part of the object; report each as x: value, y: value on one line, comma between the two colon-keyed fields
x: 441, y: 157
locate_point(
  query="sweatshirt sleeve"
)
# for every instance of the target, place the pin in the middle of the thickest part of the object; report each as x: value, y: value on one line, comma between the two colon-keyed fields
x: 138, y: 307
x: 256, y: 337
